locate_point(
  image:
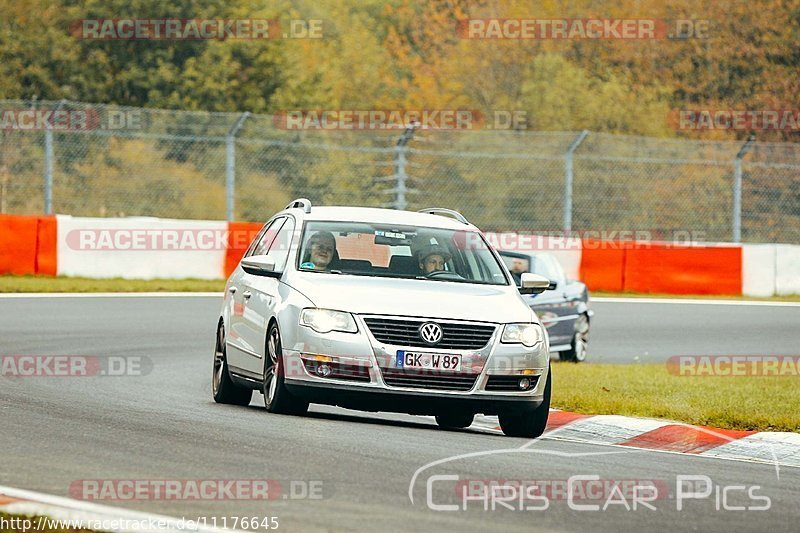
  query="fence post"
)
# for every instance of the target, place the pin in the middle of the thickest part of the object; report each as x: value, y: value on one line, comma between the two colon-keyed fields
x: 737, y: 189
x: 48, y: 165
x: 568, y: 177
x: 400, y: 175
x: 230, y: 164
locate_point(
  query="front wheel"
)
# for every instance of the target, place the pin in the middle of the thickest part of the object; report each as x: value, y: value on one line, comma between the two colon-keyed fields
x: 277, y: 397
x: 223, y: 388
x: 528, y: 423
x: 580, y: 341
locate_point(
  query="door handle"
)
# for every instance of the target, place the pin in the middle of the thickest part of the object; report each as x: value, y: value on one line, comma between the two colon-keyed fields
x: 232, y: 290
x: 247, y: 295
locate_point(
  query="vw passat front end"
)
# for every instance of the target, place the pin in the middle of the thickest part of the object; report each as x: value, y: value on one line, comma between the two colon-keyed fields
x: 382, y: 310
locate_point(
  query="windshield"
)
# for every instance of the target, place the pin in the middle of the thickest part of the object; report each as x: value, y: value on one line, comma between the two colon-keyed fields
x: 380, y: 250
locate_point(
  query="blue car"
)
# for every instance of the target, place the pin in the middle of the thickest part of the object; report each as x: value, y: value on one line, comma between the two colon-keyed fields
x: 563, y: 309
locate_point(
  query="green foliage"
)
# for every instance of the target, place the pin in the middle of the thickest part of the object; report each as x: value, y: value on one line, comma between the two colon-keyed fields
x: 377, y: 55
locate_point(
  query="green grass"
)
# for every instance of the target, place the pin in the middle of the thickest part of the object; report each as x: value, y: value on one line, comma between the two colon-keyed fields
x: 65, y: 284
x: 762, y: 403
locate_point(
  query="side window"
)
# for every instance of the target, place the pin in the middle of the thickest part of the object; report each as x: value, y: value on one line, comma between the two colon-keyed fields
x: 541, y: 267
x: 280, y: 245
x: 557, y: 270
x: 548, y: 266
x: 266, y: 237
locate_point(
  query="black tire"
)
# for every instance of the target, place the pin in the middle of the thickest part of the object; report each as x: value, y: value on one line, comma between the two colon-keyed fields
x: 277, y: 397
x: 528, y: 423
x: 455, y: 420
x: 579, y: 346
x: 223, y: 389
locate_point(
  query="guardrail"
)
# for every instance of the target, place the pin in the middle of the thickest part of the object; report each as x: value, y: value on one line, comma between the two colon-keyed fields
x: 150, y: 248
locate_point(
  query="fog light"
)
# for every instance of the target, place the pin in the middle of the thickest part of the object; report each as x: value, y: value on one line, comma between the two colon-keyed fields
x: 323, y: 371
x: 524, y: 383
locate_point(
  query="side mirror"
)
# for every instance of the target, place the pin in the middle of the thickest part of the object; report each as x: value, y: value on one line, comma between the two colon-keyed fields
x: 533, y: 283
x: 260, y: 265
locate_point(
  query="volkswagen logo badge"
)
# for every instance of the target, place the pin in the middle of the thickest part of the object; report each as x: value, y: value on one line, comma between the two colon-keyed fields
x: 430, y: 332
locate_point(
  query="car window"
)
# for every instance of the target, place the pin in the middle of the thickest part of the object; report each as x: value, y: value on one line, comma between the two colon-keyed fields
x: 556, y: 269
x: 279, y: 249
x: 546, y: 265
x: 383, y: 250
x: 267, y: 236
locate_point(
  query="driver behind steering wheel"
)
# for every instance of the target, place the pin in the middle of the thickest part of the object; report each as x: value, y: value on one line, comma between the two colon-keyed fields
x: 432, y: 258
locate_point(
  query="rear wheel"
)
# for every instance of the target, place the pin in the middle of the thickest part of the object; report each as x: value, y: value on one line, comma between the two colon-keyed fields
x: 277, y: 397
x: 222, y: 386
x: 529, y: 423
x: 455, y: 420
x: 580, y: 341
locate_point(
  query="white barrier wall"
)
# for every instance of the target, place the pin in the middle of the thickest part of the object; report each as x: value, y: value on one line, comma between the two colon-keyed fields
x: 758, y: 269
x: 141, y: 248
x: 770, y: 269
x: 787, y: 268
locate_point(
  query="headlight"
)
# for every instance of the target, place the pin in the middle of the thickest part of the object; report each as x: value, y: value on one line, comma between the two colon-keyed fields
x: 528, y: 334
x: 325, y: 320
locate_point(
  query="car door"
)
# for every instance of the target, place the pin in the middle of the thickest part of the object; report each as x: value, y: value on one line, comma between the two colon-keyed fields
x: 261, y: 298
x: 241, y: 351
x: 552, y: 306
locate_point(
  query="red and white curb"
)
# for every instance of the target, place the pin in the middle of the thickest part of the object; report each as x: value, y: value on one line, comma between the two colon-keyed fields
x: 35, y: 504
x: 774, y: 448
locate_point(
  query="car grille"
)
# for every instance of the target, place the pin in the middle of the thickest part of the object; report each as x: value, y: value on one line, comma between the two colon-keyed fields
x: 428, y: 380
x: 455, y: 336
x: 509, y: 383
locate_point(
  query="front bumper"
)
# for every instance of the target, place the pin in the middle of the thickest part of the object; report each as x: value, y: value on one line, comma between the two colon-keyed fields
x: 482, y: 385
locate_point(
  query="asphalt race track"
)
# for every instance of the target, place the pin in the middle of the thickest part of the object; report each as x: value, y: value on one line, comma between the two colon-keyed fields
x: 359, y: 467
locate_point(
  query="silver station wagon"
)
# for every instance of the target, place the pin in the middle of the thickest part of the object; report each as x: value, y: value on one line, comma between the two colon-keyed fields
x: 382, y: 310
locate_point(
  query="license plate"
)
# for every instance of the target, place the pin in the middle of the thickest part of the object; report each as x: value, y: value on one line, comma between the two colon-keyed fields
x: 430, y: 361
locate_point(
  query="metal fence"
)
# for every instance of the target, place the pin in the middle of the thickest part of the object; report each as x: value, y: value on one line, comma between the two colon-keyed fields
x: 130, y: 161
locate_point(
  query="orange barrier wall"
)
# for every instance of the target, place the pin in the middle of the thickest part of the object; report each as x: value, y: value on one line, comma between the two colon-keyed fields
x: 662, y: 268
x: 27, y: 245
x: 602, y: 268
x: 240, y: 235
x: 46, y: 247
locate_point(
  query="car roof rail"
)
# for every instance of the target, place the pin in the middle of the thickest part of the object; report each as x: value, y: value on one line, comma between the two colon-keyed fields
x: 443, y: 211
x: 305, y: 203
